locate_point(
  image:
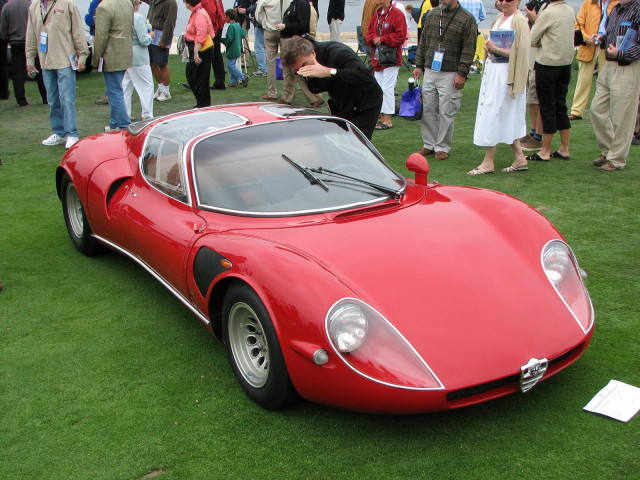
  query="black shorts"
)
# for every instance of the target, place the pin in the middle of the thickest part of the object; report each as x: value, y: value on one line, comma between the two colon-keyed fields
x: 158, y: 56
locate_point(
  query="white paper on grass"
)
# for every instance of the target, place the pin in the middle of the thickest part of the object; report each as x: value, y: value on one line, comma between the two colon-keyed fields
x: 617, y: 400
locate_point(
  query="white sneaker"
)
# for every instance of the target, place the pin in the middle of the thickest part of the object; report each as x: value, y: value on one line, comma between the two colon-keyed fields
x: 71, y: 141
x: 54, y: 139
x: 157, y: 94
x: 164, y: 96
x: 114, y: 129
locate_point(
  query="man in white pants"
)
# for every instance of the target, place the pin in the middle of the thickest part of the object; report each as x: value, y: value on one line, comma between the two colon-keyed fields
x: 139, y: 75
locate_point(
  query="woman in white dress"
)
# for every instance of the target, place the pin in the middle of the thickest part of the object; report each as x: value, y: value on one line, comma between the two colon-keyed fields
x: 501, y: 114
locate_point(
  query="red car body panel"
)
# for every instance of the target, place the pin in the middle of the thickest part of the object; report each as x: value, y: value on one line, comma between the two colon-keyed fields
x: 456, y: 270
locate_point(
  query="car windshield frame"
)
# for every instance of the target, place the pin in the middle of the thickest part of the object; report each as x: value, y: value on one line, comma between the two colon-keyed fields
x: 275, y: 174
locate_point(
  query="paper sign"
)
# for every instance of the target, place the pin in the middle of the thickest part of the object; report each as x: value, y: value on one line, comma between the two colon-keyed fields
x: 617, y: 400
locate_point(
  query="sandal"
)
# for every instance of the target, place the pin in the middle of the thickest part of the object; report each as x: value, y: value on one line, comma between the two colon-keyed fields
x: 477, y: 171
x: 557, y: 154
x: 512, y: 169
x: 536, y: 158
x: 383, y: 126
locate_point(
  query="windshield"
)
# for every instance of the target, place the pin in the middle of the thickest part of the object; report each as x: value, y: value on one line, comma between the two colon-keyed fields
x: 280, y: 169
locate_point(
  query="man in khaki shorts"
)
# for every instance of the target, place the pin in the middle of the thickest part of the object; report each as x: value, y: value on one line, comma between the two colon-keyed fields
x: 533, y: 139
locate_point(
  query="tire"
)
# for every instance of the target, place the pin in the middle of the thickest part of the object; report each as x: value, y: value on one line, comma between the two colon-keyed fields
x: 254, y: 351
x: 77, y: 224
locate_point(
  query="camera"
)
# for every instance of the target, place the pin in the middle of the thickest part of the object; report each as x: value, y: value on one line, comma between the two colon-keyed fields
x: 535, y: 5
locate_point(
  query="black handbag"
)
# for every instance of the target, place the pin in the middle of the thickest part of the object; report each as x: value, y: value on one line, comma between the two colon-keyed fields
x: 387, y: 56
x: 578, y: 38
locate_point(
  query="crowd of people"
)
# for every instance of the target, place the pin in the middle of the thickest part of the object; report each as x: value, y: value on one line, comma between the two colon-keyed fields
x: 548, y: 36
x: 527, y: 62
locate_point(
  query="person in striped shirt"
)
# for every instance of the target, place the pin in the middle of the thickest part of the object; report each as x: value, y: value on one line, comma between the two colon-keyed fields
x: 613, y: 109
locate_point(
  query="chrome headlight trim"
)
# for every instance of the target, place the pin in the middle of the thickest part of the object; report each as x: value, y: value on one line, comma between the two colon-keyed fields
x: 388, y: 324
x: 577, y: 271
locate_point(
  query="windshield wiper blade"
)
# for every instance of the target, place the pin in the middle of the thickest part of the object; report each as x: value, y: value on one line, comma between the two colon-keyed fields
x: 306, y: 171
x: 381, y: 188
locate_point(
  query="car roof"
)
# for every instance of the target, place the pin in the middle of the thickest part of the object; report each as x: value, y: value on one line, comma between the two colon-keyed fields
x: 188, y: 125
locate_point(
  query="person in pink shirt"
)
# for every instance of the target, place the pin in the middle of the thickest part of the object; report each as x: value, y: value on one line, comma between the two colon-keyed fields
x: 199, y: 38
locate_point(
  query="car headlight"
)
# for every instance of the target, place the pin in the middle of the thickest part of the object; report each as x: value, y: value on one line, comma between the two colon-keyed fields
x: 562, y: 270
x: 368, y: 344
x: 348, y: 327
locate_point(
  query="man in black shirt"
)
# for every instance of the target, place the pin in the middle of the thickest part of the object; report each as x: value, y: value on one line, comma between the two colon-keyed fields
x: 335, y: 68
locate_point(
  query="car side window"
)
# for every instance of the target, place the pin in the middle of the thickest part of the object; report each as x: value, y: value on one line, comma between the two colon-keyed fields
x: 161, y: 167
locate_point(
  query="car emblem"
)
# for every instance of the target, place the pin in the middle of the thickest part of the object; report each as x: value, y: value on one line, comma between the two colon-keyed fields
x: 531, y: 372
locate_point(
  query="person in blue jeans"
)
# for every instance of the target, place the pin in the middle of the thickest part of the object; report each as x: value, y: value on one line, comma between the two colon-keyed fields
x: 258, y: 40
x: 233, y: 44
x: 112, y: 43
x: 55, y: 35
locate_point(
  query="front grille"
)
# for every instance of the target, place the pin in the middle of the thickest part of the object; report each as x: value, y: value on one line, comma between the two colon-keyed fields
x: 513, y: 381
x: 482, y: 388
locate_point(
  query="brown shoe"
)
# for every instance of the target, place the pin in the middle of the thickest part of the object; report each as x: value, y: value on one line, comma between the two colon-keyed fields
x: 316, y: 104
x: 574, y: 117
x: 609, y: 167
x: 531, y: 144
x: 601, y: 160
x: 425, y: 151
x: 269, y: 97
x: 442, y: 155
x: 101, y: 101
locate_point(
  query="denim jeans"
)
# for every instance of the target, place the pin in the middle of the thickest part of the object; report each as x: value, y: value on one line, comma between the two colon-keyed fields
x: 258, y: 46
x: 235, y: 75
x: 61, y: 95
x: 117, y: 107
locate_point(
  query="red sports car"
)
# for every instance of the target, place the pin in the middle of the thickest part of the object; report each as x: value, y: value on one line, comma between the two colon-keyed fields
x: 328, y: 275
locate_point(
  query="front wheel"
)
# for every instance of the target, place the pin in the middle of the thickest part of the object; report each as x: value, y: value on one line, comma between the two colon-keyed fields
x: 254, y: 351
x: 75, y: 219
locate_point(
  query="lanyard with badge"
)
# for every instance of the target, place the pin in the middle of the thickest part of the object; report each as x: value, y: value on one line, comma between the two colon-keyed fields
x: 381, y: 21
x: 44, y: 34
x: 438, y: 55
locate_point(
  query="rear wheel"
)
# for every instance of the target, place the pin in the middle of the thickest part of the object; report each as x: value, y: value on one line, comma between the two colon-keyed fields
x: 254, y: 351
x: 75, y: 219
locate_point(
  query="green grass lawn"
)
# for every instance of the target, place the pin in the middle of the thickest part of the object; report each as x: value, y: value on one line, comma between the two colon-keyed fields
x: 103, y: 374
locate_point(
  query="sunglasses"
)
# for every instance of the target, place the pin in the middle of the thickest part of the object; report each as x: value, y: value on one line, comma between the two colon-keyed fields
x: 505, y: 1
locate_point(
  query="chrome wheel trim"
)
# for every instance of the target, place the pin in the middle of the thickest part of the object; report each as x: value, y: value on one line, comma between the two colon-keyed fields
x: 248, y: 344
x: 74, y: 211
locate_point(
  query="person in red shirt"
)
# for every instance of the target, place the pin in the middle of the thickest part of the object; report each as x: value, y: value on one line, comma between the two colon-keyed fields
x: 215, y: 9
x: 387, y: 27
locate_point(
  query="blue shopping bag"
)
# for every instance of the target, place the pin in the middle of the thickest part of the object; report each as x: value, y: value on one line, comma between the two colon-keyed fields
x: 411, y: 104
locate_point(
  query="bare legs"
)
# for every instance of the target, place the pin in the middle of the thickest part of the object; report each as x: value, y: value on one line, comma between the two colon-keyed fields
x: 161, y: 74
x: 545, y: 151
x: 487, y: 165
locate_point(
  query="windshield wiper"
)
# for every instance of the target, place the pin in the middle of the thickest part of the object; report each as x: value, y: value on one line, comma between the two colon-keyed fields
x: 306, y: 171
x: 381, y: 188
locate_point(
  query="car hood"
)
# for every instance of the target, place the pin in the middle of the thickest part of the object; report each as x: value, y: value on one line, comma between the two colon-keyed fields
x: 458, y: 274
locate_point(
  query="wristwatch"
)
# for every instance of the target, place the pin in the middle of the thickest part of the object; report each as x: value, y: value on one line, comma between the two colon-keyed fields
x: 333, y: 72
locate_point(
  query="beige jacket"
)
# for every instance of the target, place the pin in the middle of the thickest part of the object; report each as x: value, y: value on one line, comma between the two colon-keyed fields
x: 269, y: 13
x: 519, y: 55
x: 65, y: 35
x: 114, y: 35
x: 553, y: 34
